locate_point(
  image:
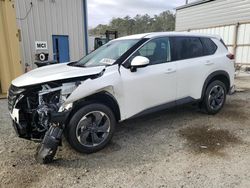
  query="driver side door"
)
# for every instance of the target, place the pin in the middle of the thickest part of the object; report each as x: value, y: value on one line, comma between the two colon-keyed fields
x: 151, y: 86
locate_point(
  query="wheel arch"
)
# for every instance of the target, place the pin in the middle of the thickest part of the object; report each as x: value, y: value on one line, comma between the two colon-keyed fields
x: 222, y: 76
x: 102, y: 97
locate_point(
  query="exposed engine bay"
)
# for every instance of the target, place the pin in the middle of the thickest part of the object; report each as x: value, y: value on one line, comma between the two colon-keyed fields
x: 39, y: 114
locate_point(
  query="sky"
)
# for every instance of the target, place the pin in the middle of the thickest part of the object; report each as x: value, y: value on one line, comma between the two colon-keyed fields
x: 102, y: 11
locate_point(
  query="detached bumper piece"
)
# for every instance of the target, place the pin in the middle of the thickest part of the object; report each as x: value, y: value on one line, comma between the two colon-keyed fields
x: 47, y: 149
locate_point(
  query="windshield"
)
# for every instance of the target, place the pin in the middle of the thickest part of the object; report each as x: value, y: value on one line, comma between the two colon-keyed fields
x: 107, y: 54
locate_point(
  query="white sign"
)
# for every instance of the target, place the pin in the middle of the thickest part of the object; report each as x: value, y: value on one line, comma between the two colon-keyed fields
x: 41, y: 45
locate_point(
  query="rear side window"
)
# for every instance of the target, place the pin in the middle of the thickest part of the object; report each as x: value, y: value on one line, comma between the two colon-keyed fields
x: 186, y: 48
x: 209, y: 46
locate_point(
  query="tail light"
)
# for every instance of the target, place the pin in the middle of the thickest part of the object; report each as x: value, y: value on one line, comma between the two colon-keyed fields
x: 230, y: 56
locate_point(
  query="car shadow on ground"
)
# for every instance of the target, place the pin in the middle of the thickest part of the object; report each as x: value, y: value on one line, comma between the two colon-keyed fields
x: 150, y: 138
x: 136, y: 141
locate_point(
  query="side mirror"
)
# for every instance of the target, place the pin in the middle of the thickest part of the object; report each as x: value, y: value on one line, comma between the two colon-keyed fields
x: 139, y: 62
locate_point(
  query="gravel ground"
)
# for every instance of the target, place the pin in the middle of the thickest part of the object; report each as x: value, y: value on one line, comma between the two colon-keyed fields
x: 176, y: 148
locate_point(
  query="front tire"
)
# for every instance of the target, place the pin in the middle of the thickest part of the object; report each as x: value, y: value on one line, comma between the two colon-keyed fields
x: 91, y: 128
x: 215, y: 97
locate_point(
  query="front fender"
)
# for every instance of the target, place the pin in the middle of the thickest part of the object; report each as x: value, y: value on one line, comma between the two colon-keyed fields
x: 108, y: 82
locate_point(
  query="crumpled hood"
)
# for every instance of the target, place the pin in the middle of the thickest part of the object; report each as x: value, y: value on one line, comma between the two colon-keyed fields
x: 53, y: 73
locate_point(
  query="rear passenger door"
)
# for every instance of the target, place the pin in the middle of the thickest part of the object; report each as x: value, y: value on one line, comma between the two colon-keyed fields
x: 193, y: 65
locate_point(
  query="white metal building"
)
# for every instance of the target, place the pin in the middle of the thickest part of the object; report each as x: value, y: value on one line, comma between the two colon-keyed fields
x: 56, y: 27
x: 228, y: 18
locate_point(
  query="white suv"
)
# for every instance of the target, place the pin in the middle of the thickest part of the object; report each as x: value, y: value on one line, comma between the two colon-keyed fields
x: 126, y: 78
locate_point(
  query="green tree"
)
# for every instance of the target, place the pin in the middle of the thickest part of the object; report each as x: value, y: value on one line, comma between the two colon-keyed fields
x: 165, y: 21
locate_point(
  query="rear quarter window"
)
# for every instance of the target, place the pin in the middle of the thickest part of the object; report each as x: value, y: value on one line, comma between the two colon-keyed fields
x: 186, y: 48
x: 209, y: 47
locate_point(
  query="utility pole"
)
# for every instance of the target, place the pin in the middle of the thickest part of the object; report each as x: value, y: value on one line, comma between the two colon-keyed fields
x: 186, y: 2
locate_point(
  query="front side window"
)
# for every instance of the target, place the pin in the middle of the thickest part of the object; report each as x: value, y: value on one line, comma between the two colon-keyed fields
x: 156, y: 50
x: 186, y: 48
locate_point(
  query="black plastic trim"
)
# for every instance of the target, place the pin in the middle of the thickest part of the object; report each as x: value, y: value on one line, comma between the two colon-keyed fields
x: 59, y: 117
x: 97, y: 98
x: 211, y: 76
x: 179, y: 102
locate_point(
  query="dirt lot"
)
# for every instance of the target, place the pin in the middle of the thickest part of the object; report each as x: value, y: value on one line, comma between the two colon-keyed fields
x: 177, y: 148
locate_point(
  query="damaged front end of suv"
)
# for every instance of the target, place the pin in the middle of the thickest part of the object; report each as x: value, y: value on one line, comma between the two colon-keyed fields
x: 39, y: 114
x: 79, y: 99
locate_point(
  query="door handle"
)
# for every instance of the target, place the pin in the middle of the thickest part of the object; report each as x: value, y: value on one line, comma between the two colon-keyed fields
x: 209, y: 63
x: 170, y: 70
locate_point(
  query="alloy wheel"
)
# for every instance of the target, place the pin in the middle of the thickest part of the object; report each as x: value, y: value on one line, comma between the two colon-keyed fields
x: 93, y: 129
x: 216, y: 97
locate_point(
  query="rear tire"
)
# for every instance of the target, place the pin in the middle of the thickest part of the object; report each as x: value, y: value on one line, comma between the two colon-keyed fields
x: 91, y: 128
x: 215, y: 97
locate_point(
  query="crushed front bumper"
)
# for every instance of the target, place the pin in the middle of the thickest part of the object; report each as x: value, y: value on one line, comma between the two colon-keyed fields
x: 23, y: 130
x: 20, y: 128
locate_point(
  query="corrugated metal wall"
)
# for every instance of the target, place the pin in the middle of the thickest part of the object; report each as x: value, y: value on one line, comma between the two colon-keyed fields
x: 229, y: 19
x: 10, y: 59
x: 227, y: 33
x: 51, y: 17
x: 237, y: 38
x: 243, y: 44
x: 212, y: 13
